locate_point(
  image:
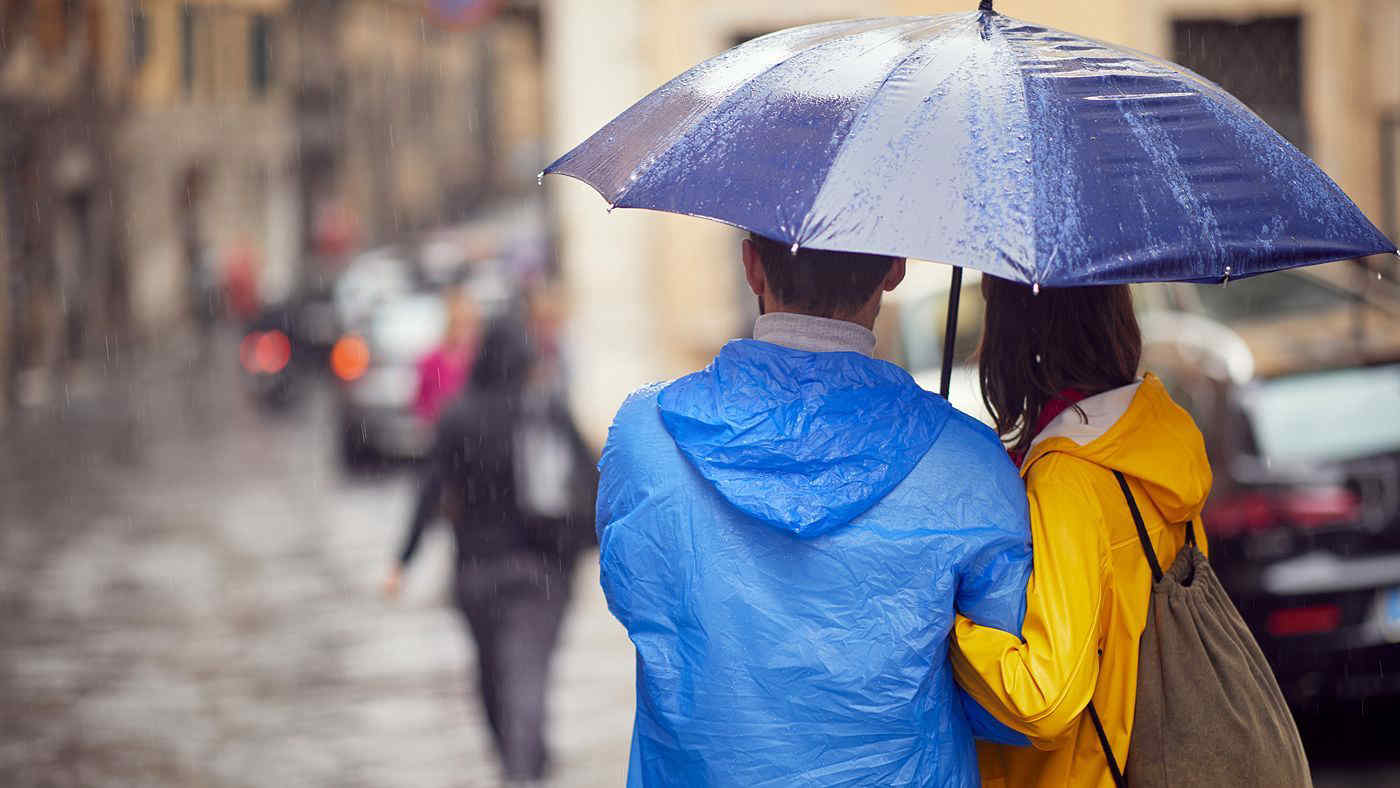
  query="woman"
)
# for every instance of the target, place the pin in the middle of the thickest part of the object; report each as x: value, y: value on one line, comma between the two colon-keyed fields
x: 1059, y: 376
x: 518, y: 485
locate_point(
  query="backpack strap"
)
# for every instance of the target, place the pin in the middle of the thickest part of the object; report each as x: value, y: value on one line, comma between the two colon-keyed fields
x: 1142, y: 529
x: 1107, y: 750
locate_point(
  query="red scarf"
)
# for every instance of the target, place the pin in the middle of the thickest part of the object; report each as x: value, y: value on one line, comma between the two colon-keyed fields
x: 1058, y: 404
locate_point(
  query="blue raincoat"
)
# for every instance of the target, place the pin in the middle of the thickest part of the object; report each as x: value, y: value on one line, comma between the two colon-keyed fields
x: 786, y: 535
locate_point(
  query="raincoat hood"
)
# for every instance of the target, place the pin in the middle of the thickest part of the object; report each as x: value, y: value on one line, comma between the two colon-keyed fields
x: 1140, y: 431
x: 802, y: 441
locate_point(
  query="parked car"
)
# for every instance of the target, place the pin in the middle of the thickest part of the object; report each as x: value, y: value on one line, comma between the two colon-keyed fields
x: 377, y: 366
x: 1305, y: 526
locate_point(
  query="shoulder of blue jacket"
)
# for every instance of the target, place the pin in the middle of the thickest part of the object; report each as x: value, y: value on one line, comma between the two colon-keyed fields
x: 638, y: 405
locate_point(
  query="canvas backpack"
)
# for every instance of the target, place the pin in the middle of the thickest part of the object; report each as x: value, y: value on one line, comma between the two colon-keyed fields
x: 1209, y: 711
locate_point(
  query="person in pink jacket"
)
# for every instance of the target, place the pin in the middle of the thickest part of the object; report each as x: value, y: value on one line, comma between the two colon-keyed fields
x: 443, y: 373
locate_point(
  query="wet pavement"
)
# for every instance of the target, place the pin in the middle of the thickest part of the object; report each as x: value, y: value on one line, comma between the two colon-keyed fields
x: 189, y: 591
x: 190, y: 594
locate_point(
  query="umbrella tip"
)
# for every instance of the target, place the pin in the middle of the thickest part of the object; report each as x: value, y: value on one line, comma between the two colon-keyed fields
x: 986, y: 6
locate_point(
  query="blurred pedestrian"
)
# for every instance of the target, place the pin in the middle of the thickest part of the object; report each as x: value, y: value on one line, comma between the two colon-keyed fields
x: 443, y: 373
x: 518, y: 486
x: 786, y: 534
x: 242, y: 296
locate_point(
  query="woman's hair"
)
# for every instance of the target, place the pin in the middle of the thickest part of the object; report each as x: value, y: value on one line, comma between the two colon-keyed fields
x: 1036, y: 345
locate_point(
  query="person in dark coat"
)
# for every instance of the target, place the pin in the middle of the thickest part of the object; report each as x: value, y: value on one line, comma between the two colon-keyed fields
x: 519, y: 485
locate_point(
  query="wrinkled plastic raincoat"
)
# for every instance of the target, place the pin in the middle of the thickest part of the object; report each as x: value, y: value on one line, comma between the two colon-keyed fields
x: 786, y: 535
x: 1087, y: 600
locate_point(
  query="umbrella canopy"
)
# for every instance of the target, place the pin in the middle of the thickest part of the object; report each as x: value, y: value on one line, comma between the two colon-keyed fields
x: 979, y: 140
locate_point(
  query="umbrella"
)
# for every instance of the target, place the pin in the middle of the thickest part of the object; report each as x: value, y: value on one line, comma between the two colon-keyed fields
x: 977, y: 140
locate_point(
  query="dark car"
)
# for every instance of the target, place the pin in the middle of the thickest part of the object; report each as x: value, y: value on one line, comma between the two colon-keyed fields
x: 1305, y: 527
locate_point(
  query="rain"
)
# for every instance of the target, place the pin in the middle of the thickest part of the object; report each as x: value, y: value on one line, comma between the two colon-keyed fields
x: 315, y: 316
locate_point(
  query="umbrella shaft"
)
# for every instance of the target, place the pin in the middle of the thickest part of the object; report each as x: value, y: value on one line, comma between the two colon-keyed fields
x: 950, y: 331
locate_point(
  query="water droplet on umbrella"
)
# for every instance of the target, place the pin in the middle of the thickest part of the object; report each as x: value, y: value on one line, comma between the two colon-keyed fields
x: 1035, y: 290
x: 794, y: 247
x: 611, y: 206
x: 539, y: 179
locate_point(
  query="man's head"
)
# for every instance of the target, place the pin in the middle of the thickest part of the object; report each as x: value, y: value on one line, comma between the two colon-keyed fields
x: 839, y: 285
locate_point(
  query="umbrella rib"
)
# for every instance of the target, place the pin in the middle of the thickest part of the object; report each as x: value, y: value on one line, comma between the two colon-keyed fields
x: 938, y: 21
x: 641, y: 169
x: 1015, y: 55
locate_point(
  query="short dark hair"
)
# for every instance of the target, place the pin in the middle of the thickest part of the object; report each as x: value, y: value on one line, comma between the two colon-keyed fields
x: 818, y: 282
x: 1036, y: 345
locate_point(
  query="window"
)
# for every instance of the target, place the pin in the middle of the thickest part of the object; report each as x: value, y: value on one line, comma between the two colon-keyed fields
x: 140, y: 47
x: 187, y: 31
x: 1390, y: 172
x: 1260, y: 62
x: 260, y: 55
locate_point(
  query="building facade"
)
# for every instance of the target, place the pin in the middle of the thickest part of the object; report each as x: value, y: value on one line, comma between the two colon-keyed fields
x: 149, y: 146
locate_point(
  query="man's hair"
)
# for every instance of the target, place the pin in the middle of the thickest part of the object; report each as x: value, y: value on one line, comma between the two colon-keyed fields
x: 817, y: 282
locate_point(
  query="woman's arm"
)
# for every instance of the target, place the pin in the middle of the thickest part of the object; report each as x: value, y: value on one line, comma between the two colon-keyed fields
x: 1041, y: 683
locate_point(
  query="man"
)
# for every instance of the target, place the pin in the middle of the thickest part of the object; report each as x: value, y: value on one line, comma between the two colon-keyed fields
x: 786, y: 536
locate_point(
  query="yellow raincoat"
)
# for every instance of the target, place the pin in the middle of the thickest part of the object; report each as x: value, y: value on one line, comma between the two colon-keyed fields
x: 1086, y: 603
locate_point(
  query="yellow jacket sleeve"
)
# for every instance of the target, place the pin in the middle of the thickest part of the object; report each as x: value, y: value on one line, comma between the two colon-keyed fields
x: 1041, y: 683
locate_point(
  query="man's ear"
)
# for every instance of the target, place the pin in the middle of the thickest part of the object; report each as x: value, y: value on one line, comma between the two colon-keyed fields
x: 895, y: 276
x: 753, y: 269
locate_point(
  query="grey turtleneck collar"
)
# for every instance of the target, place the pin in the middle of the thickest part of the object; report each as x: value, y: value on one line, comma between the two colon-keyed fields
x: 814, y: 334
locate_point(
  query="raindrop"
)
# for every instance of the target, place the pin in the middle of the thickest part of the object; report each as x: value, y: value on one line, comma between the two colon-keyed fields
x: 1226, y: 281
x: 611, y: 206
x: 1037, y: 358
x: 794, y: 247
x: 539, y: 179
x: 1035, y: 290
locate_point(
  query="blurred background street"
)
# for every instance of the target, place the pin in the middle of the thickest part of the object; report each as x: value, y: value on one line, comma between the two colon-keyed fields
x: 191, y: 598
x: 244, y: 243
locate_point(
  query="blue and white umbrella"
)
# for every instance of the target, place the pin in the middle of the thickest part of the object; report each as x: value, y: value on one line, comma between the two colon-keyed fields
x: 977, y: 140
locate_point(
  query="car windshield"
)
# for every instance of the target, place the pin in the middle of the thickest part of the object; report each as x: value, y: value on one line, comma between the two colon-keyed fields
x: 408, y: 329
x: 1263, y: 296
x: 1337, y: 415
x: 367, y: 282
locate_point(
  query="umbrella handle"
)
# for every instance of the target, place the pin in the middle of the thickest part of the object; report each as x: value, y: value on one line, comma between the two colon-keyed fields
x: 950, y: 330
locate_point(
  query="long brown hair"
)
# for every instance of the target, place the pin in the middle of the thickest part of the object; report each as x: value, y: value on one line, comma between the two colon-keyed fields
x: 1036, y: 345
